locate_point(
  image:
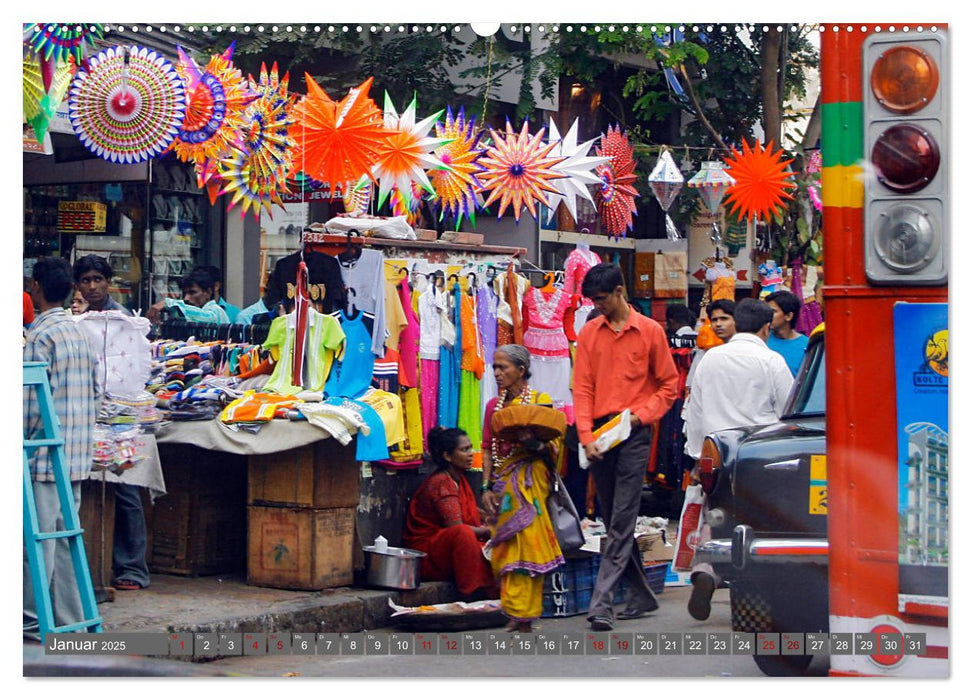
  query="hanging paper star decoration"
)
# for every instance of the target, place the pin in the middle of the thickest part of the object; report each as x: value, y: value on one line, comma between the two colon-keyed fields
x: 519, y: 170
x: 338, y: 142
x: 615, y: 197
x: 256, y: 171
x: 406, y: 153
x: 456, y: 186
x: 576, y: 168
x: 58, y: 41
x: 761, y: 180
x: 357, y: 196
x: 408, y: 209
x: 217, y: 100
x: 127, y: 104
x: 40, y: 102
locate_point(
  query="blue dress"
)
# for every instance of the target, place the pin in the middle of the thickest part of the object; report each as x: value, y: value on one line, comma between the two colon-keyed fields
x: 450, y: 372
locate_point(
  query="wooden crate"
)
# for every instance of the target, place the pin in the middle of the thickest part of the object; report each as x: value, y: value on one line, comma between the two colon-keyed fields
x: 300, y: 548
x: 322, y: 475
x: 98, y: 522
x: 199, y: 526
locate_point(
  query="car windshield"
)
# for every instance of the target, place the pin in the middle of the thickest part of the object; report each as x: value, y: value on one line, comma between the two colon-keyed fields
x: 808, y: 396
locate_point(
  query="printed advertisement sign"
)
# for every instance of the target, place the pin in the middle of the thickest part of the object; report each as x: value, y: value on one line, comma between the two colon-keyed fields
x: 921, y: 357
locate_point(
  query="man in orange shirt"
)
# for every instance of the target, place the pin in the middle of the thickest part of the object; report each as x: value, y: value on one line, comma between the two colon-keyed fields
x: 622, y: 361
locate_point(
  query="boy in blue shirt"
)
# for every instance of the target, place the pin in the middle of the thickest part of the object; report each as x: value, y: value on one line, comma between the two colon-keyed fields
x: 784, y: 339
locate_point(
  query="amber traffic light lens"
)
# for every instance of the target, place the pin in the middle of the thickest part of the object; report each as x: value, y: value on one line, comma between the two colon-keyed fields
x: 904, y: 79
x: 906, y: 158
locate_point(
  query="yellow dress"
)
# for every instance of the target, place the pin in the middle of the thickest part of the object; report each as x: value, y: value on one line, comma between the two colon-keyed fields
x: 524, y: 546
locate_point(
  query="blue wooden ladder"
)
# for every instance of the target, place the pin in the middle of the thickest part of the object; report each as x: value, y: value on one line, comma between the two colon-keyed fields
x: 35, y: 375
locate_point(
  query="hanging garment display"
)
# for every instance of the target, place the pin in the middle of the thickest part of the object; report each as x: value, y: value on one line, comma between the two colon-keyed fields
x: 325, y: 285
x: 578, y: 263
x: 365, y: 276
x: 431, y: 305
x: 450, y: 369
x: 350, y: 377
x: 510, y: 288
x: 671, y: 275
x: 470, y: 400
x: 548, y: 346
x: 487, y: 307
x: 124, y: 354
x: 408, y: 340
x: 324, y: 340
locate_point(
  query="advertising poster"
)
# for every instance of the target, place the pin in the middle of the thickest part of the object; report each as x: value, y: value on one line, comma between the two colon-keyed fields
x: 921, y: 356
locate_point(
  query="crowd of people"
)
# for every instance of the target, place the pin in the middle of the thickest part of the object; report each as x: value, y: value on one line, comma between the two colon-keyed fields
x: 501, y: 544
x: 622, y: 362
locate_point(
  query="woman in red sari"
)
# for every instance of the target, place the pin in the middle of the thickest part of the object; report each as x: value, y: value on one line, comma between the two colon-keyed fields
x: 443, y: 519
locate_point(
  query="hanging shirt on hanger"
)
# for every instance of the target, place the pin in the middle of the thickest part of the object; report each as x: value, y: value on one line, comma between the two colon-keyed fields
x: 408, y: 341
x: 350, y: 377
x: 324, y: 342
x: 325, y: 286
x: 366, y: 277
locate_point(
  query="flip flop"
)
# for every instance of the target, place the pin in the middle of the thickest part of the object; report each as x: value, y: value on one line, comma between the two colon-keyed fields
x: 124, y: 584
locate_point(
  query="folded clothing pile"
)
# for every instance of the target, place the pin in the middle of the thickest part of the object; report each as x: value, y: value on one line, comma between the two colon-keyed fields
x: 200, y: 402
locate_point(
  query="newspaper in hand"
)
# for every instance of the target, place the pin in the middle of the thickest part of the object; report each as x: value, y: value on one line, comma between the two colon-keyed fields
x: 609, y: 435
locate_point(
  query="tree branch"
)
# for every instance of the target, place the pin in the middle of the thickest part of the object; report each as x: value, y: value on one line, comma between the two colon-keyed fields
x: 698, y: 110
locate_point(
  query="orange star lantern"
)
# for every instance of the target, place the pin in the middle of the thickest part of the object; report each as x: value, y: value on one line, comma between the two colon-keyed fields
x: 761, y: 180
x: 338, y: 142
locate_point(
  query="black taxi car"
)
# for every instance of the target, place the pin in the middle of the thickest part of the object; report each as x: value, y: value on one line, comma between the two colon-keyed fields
x: 766, y: 494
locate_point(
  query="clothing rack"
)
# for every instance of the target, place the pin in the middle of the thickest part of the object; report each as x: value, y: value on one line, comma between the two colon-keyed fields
x: 682, y: 341
x: 180, y: 329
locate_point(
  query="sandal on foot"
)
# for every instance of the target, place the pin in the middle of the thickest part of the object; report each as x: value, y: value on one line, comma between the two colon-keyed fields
x: 125, y: 584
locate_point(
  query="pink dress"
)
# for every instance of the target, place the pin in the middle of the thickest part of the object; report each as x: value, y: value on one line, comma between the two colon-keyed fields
x: 546, y: 340
x: 578, y: 263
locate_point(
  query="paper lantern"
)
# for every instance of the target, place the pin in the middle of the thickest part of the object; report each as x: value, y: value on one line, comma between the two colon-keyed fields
x: 406, y: 152
x: 666, y: 182
x: 456, y: 187
x: 127, y: 104
x: 519, y: 170
x: 338, y: 142
x: 761, y: 181
x: 615, y: 196
x: 576, y: 167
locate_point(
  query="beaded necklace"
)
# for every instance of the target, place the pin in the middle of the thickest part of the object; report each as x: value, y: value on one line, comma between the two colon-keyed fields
x: 500, y: 402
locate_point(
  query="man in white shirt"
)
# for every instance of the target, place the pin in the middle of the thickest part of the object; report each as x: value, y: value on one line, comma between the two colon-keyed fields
x: 736, y: 384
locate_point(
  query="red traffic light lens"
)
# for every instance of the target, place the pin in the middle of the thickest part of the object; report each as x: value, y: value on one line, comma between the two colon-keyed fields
x: 906, y: 158
x: 904, y: 79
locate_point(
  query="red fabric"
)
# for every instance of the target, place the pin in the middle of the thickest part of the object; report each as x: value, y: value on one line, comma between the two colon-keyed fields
x: 453, y: 552
x: 28, y: 310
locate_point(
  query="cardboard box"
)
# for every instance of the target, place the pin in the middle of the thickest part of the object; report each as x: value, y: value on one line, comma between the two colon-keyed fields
x: 300, y: 548
x: 658, y: 551
x: 322, y: 475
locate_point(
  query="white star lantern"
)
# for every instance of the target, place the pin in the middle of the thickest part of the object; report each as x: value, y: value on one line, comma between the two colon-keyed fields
x: 407, y: 152
x: 576, y: 167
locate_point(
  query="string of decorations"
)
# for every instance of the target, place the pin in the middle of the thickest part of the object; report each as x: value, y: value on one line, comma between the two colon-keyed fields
x: 129, y: 104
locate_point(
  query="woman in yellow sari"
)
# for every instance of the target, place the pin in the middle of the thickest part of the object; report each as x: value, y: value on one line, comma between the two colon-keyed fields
x: 515, y: 487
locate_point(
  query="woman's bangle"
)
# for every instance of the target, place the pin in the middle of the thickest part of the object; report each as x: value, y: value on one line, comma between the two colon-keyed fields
x: 486, y: 486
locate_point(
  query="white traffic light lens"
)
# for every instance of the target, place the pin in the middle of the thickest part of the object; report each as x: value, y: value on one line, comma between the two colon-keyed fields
x: 904, y: 79
x: 906, y: 158
x: 906, y: 241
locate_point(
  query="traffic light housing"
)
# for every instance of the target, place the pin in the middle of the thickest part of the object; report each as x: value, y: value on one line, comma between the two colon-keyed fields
x: 905, y: 103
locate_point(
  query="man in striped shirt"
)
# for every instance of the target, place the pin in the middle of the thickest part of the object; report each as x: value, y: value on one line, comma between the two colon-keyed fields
x: 72, y: 367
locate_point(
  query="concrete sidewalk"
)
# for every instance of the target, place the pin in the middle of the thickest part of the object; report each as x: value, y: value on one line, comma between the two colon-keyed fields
x: 225, y: 603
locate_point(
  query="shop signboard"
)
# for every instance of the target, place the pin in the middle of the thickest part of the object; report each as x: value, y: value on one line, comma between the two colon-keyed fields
x: 81, y: 217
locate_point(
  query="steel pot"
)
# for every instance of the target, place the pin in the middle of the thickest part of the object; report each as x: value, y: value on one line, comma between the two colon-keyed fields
x: 394, y: 567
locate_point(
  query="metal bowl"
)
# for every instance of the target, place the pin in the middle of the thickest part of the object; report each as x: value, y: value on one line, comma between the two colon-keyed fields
x: 394, y: 567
